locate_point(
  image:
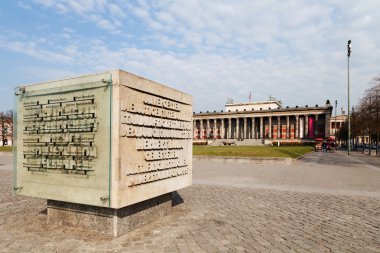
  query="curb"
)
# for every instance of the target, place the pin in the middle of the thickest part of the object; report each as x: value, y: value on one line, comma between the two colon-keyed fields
x: 244, y: 160
x: 302, y: 156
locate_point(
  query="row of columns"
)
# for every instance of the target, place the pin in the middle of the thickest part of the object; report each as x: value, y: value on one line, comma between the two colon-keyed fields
x: 246, y: 131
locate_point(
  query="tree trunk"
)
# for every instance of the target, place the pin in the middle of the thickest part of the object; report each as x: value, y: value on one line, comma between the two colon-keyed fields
x: 377, y: 142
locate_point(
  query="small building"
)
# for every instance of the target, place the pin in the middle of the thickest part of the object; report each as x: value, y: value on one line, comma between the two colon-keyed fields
x: 336, y: 123
x: 264, y: 120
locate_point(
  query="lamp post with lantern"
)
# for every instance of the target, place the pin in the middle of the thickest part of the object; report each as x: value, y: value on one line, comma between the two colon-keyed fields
x: 348, y: 95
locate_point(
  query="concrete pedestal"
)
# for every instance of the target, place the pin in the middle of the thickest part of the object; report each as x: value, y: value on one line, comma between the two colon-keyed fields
x: 109, y: 220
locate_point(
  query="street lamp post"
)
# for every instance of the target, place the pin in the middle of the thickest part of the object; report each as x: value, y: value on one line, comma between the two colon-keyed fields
x: 348, y: 95
x: 354, y: 140
x: 336, y: 106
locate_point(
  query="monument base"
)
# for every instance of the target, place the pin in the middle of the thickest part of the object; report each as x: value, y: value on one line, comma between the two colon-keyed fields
x: 108, y: 220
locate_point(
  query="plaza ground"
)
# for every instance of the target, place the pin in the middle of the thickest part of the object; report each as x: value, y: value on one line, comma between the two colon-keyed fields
x: 323, y: 202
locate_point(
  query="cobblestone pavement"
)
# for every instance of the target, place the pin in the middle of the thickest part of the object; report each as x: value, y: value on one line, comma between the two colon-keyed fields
x: 215, y: 218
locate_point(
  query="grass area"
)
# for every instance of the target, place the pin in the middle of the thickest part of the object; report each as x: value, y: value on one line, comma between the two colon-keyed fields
x: 240, y: 151
x: 252, y: 151
x: 6, y: 149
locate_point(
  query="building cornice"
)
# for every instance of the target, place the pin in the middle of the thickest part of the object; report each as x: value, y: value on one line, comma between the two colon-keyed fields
x: 271, y: 112
x: 254, y: 103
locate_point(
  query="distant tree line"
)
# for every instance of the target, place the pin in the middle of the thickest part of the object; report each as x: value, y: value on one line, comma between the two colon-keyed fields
x: 365, y: 118
x: 6, y: 127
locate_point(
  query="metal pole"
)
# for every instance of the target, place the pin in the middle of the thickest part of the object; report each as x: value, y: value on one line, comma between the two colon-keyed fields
x: 336, y: 106
x: 348, y: 95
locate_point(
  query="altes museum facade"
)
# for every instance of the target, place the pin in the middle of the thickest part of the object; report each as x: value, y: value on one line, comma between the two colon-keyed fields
x: 264, y: 120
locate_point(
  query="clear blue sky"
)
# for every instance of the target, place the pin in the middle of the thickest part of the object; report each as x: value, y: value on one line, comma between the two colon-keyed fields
x: 214, y: 50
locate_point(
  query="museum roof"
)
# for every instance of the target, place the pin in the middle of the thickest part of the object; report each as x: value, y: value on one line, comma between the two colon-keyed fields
x: 326, y: 107
x: 254, y: 103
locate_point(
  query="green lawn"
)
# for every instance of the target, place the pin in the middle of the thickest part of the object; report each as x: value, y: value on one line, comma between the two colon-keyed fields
x: 252, y: 151
x: 241, y: 151
x: 6, y: 149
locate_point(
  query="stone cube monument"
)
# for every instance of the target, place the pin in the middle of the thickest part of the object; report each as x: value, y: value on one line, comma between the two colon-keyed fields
x: 106, y: 150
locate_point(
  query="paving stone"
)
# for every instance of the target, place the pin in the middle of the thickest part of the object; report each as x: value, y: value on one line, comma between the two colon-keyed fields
x: 213, y: 218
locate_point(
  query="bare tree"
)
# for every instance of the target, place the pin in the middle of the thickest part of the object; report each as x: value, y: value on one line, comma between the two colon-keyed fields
x: 366, y: 117
x: 375, y: 90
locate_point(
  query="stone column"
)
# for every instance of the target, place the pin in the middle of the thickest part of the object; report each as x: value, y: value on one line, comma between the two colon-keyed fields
x: 201, y: 135
x: 270, y: 128
x: 194, y: 129
x: 237, y: 130
x: 306, y: 126
x: 301, y: 132
x: 222, y: 129
x: 245, y: 129
x: 229, y: 133
x: 278, y: 127
x: 207, y: 128
x: 316, y: 125
x: 287, y: 128
x: 261, y: 127
x: 327, y: 125
x: 253, y: 131
x: 215, y: 130
x: 296, y: 134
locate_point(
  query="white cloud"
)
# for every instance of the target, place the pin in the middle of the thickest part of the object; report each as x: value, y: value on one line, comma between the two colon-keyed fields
x: 46, y: 73
x: 141, y: 13
x: 105, y: 24
x: 166, y: 18
x: 23, y: 5
x: 116, y: 11
x: 46, y: 3
x: 35, y: 50
x: 105, y: 15
x: 62, y: 8
x: 294, y: 50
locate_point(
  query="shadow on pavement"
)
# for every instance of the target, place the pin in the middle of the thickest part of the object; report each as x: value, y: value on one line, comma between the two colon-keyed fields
x: 176, y: 198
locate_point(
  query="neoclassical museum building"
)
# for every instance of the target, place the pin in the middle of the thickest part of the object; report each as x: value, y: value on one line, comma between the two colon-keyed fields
x: 264, y: 120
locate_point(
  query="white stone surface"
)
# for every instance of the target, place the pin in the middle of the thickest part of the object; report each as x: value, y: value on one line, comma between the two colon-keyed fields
x: 110, y: 139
